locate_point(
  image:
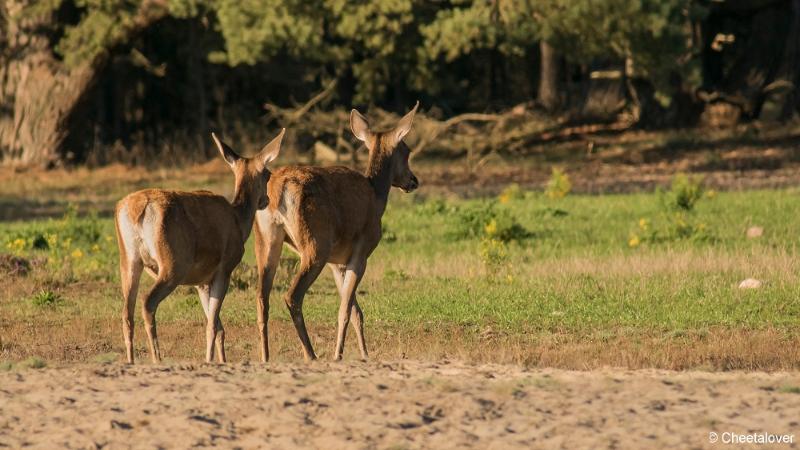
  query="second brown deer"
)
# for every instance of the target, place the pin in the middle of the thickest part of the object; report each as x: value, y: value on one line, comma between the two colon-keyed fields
x: 330, y: 215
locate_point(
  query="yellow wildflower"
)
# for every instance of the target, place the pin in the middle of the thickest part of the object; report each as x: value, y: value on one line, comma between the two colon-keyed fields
x: 491, y: 228
x: 634, y: 241
x: 504, y: 197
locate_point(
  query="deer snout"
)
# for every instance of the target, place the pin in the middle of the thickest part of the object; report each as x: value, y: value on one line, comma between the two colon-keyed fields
x: 412, y: 184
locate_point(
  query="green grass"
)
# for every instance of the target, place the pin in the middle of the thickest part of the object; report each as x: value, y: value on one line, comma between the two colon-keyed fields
x: 572, y: 272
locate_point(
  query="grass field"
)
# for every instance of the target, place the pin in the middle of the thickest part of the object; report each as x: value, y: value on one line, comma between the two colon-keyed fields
x: 581, y: 281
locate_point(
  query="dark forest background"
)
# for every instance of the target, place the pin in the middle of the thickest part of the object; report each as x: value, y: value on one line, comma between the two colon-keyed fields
x: 114, y: 80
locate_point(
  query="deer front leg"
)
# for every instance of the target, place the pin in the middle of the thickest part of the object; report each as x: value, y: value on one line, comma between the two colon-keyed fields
x: 158, y: 292
x: 356, y: 315
x: 352, y: 276
x: 205, y: 295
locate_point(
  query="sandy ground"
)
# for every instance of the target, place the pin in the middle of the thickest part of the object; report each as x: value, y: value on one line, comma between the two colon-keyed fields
x: 388, y: 405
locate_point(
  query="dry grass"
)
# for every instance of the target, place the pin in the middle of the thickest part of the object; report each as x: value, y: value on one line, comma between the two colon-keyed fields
x: 710, y: 349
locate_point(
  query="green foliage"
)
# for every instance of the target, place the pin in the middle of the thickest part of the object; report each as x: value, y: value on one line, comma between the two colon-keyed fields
x: 46, y: 299
x: 789, y: 389
x: 676, y: 219
x: 559, y: 184
x: 387, y: 235
x: 70, y: 230
x: 406, y: 44
x: 434, y: 207
x: 105, y: 24
x: 494, y: 253
x: 510, y: 193
x: 34, y: 362
x: 244, y: 277
x: 487, y: 219
x: 653, y: 34
x: 106, y: 358
x: 684, y: 193
x: 255, y: 30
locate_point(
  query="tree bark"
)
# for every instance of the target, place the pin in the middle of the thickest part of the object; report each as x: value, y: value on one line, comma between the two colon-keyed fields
x: 38, y: 93
x: 548, y: 77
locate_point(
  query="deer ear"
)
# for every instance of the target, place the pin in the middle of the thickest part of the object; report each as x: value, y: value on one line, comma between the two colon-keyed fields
x: 359, y: 126
x: 271, y: 150
x: 404, y: 125
x: 230, y: 156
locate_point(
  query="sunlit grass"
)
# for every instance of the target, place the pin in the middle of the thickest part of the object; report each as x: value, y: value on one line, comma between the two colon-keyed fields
x: 572, y: 276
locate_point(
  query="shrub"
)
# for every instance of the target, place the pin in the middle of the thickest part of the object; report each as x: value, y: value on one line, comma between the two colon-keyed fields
x: 46, y: 299
x: 485, y: 219
x: 434, y: 207
x: 33, y: 362
x: 494, y: 253
x: 387, y: 235
x: 505, y: 228
x: 61, y: 237
x: 511, y: 192
x: 676, y: 220
x: 559, y: 184
x: 244, y: 276
x: 470, y: 220
x: 684, y: 193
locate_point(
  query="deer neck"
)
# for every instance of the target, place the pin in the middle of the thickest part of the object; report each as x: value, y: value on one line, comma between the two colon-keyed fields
x: 245, y: 212
x: 379, y: 174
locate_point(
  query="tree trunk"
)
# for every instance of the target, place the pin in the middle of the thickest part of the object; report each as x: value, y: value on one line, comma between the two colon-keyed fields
x: 548, y: 77
x: 38, y: 93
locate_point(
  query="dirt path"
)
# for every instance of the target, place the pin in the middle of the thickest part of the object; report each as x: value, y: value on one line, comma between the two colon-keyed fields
x: 388, y: 405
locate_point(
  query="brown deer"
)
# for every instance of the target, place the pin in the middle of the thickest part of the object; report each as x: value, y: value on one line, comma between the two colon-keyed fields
x: 189, y: 238
x: 330, y: 215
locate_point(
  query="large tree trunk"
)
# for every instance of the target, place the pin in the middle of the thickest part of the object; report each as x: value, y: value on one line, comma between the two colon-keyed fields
x: 548, y: 77
x: 39, y: 93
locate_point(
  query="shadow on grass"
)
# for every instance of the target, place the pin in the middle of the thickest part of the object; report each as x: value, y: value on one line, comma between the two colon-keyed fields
x: 14, y: 209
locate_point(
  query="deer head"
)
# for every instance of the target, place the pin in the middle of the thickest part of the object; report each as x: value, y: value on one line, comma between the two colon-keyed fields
x: 388, y: 153
x: 251, y: 174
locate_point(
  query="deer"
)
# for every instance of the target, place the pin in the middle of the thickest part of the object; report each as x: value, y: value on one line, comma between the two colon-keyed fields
x: 330, y: 216
x: 189, y: 238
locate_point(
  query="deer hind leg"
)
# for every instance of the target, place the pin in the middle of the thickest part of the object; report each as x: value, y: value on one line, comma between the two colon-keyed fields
x: 130, y: 271
x: 161, y: 289
x: 347, y: 294
x: 130, y: 275
x: 269, y: 244
x: 310, y: 267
